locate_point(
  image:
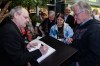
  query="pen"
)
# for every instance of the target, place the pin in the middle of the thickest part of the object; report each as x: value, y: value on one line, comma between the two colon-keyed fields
x: 42, y: 45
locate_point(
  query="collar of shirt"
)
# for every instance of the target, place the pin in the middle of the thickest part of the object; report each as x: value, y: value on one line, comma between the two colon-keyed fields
x: 65, y: 17
x: 85, y: 21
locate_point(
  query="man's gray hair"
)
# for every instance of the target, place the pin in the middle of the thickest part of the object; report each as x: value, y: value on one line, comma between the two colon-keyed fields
x: 17, y: 9
x: 83, y: 6
x: 51, y: 13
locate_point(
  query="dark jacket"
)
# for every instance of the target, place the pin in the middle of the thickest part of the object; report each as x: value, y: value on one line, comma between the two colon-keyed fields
x: 87, y: 41
x: 70, y: 20
x: 46, y: 25
x: 13, y: 50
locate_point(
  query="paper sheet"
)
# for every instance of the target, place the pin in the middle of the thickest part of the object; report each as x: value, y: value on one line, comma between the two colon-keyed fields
x: 49, y: 52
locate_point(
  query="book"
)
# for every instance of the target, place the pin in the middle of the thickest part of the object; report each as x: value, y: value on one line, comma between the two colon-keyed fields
x: 49, y: 52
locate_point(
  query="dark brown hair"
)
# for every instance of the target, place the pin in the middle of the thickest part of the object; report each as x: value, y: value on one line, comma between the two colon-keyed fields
x: 60, y: 15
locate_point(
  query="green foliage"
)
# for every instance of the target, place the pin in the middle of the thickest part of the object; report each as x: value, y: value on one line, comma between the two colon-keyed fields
x: 35, y: 18
x: 26, y: 3
x: 29, y: 3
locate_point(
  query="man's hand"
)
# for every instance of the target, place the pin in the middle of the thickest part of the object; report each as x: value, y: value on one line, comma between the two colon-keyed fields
x: 43, y: 49
x: 69, y: 40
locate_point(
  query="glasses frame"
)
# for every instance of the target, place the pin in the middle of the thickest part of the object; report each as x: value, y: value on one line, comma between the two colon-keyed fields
x: 78, y: 13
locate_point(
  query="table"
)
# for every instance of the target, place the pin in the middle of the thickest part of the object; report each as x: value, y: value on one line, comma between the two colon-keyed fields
x: 63, y: 52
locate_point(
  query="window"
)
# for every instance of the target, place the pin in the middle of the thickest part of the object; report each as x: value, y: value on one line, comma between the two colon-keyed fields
x: 93, y: 0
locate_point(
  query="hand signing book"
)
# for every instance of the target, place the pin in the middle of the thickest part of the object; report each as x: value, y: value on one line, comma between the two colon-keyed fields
x: 43, y: 49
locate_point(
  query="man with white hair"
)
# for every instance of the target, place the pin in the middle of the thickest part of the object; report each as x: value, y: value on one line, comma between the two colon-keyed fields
x: 13, y: 49
x: 86, y: 36
x: 46, y: 25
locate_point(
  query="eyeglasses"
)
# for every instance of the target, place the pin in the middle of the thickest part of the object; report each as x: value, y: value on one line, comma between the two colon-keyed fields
x: 78, y: 13
x: 26, y: 17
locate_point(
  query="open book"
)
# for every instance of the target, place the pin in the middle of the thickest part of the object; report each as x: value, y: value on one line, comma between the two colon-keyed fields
x: 49, y: 52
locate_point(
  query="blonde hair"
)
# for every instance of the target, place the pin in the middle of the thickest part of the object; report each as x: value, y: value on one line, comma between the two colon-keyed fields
x: 95, y: 11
